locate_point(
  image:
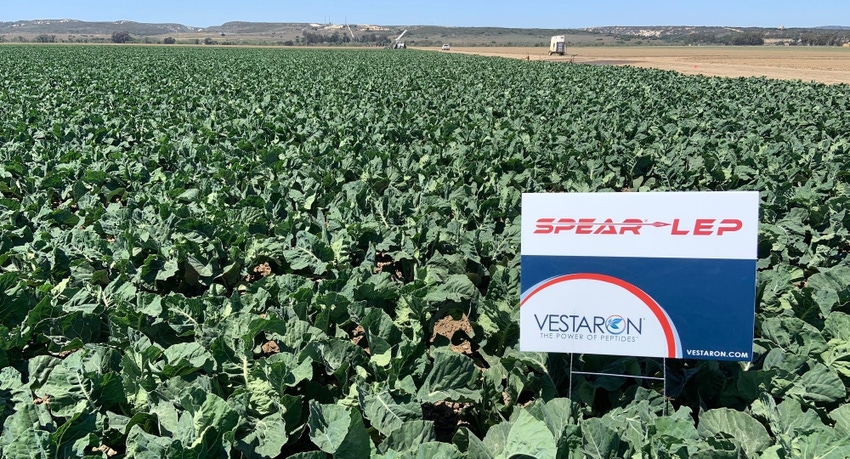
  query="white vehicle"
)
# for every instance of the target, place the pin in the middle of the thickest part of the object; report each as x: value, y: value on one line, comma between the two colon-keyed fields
x: 558, y: 45
x: 446, y: 47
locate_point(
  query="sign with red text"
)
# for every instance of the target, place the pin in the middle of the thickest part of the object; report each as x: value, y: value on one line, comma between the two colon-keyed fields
x: 640, y: 274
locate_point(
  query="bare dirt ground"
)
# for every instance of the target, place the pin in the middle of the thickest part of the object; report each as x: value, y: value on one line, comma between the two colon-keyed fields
x: 822, y: 64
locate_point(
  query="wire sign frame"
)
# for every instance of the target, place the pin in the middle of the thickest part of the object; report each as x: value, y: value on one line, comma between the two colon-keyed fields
x: 663, y: 379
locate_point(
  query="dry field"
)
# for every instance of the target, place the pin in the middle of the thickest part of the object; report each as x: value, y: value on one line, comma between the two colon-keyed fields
x: 822, y: 64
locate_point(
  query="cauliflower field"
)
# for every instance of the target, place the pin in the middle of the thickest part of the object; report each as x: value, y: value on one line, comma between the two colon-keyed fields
x: 264, y: 253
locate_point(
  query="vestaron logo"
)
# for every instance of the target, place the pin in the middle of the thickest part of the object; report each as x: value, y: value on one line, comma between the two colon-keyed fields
x: 616, y: 324
x: 613, y: 325
x: 598, y: 314
x: 633, y: 226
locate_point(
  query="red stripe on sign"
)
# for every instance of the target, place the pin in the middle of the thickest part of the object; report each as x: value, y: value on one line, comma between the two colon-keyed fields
x: 643, y: 296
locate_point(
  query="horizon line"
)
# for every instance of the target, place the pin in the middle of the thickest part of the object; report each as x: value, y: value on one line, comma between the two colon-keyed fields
x: 827, y: 26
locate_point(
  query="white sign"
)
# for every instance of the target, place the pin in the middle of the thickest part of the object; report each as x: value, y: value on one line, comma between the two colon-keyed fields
x: 642, y: 274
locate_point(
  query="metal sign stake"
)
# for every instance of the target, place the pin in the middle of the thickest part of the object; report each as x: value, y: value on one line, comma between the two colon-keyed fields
x: 619, y: 375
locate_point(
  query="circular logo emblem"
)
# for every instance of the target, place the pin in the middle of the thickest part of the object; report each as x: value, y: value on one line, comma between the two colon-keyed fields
x: 615, y: 324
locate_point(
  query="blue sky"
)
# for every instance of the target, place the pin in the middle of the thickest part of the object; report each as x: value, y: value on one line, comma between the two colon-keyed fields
x: 501, y: 13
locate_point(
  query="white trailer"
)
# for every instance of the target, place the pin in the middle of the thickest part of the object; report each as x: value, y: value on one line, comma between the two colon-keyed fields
x: 558, y: 45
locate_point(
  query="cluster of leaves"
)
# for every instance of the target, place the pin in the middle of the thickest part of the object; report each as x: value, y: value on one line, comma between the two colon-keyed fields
x: 267, y: 253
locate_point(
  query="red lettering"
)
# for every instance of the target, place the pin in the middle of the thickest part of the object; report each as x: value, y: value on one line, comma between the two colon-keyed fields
x: 543, y: 227
x: 566, y: 224
x: 676, y: 231
x: 701, y: 226
x: 733, y: 225
x: 606, y: 227
x: 635, y: 223
x: 704, y: 227
x: 585, y: 226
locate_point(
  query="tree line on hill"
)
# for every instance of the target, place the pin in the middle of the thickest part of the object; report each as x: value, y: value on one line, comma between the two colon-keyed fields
x: 315, y: 38
x: 803, y: 38
x: 741, y: 39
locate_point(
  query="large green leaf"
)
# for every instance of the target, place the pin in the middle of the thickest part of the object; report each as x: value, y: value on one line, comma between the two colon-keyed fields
x: 438, y: 450
x: 472, y: 445
x: 497, y: 439
x: 530, y: 437
x: 409, y: 437
x: 186, y: 358
x: 81, y: 381
x: 837, y: 326
x: 676, y: 435
x: 338, y: 431
x: 821, y: 445
x: 746, y: 432
x: 830, y: 288
x: 13, y: 392
x: 788, y: 418
x: 841, y: 416
x: 453, y: 377
x: 265, y: 437
x: 310, y: 253
x: 598, y: 440
x: 74, y: 436
x: 387, y: 412
x: 142, y: 445
x: 456, y: 287
x: 794, y: 335
x: 26, y: 433
x: 558, y: 414
x: 214, y: 413
x: 820, y: 385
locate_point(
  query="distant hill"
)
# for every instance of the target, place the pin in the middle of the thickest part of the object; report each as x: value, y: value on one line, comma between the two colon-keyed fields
x: 287, y: 33
x: 672, y: 31
x: 236, y: 32
x: 75, y: 27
